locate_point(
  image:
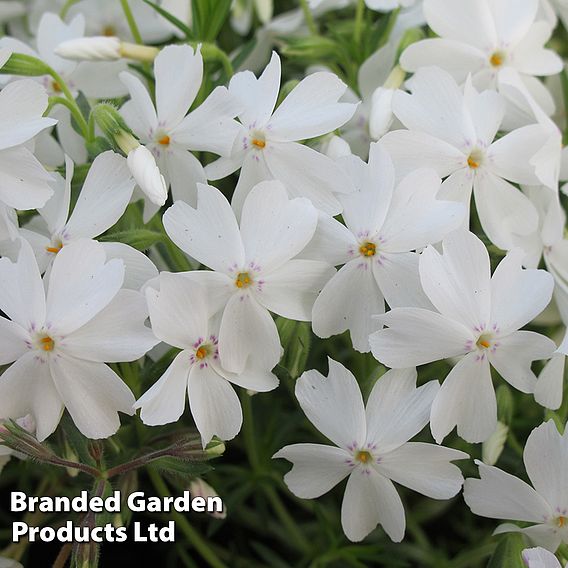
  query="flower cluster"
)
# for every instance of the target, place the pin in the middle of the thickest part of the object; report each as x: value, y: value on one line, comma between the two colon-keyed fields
x: 155, y: 205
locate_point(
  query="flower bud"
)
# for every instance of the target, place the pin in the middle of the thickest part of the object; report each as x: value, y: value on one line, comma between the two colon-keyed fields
x: 492, y: 448
x: 97, y: 48
x: 199, y: 488
x: 23, y: 65
x: 147, y: 174
x: 5, y: 54
x: 215, y: 448
x: 103, y: 48
x: 113, y: 126
x: 381, y: 117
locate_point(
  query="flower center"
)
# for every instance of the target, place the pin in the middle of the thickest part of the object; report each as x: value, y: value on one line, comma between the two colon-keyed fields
x: 55, y: 86
x: 484, y: 341
x: 258, y: 140
x: 201, y: 352
x: 561, y: 521
x: 243, y: 280
x: 55, y: 246
x: 46, y: 343
x: 164, y: 140
x: 497, y: 58
x: 363, y: 456
x: 109, y: 31
x: 475, y: 159
x: 368, y: 249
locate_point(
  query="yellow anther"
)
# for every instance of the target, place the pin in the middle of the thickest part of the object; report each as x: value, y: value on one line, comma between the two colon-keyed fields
x: 55, y: 86
x: 472, y: 163
x: 201, y: 352
x: 497, y: 59
x: 54, y: 249
x: 164, y: 140
x: 561, y: 521
x: 368, y: 249
x: 47, y: 343
x: 363, y: 456
x: 243, y: 280
x: 259, y: 143
x: 485, y: 344
x: 109, y: 31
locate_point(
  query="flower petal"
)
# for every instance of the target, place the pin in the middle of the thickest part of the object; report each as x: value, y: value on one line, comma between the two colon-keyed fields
x: 334, y: 405
x: 316, y: 470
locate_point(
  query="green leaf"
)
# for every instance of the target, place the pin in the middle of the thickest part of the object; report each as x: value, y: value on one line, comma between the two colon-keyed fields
x: 508, y: 553
x: 184, y: 28
x: 209, y: 17
x: 140, y: 239
x: 181, y: 467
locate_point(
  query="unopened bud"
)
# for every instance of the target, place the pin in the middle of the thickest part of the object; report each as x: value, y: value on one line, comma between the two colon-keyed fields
x: 336, y: 147
x: 5, y: 54
x: 199, y: 488
x: 381, y: 117
x: 492, y: 448
x: 215, y: 448
x: 23, y: 65
x: 145, y: 171
x: 113, y: 125
x: 103, y: 48
x: 295, y: 337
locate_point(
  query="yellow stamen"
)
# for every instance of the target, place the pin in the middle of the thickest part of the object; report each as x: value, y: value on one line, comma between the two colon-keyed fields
x: 56, y: 86
x: 259, y: 143
x: 368, y: 249
x: 55, y: 249
x: 243, y: 280
x: 109, y: 31
x: 472, y: 163
x: 47, y: 343
x: 485, y: 344
x: 561, y: 521
x: 164, y: 140
x: 363, y: 456
x: 497, y: 59
x: 201, y: 353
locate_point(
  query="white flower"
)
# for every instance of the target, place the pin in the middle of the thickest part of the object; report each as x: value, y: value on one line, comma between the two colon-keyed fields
x: 168, y: 132
x: 180, y: 314
x: 266, y: 146
x: 454, y: 133
x: 59, y: 339
x: 372, y: 448
x: 146, y: 172
x: 384, y: 225
x: 540, y: 558
x: 499, y: 495
x: 483, y: 37
x: 102, y: 201
x: 477, y: 320
x: 254, y: 264
x: 24, y: 182
x: 9, y: 563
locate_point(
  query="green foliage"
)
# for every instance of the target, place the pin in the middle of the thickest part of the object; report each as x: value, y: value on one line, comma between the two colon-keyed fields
x: 209, y: 17
x: 508, y: 553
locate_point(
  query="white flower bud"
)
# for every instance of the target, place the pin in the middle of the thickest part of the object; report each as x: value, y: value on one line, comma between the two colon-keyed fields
x: 493, y: 447
x: 337, y: 147
x: 5, y: 54
x: 198, y: 488
x: 97, y: 48
x: 143, y: 167
x: 381, y: 117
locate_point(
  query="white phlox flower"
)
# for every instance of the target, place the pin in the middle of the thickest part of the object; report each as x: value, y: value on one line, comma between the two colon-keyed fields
x: 477, y: 320
x: 58, y: 339
x: 24, y: 182
x: 540, y: 558
x: 371, y: 448
x: 266, y: 147
x: 499, y: 495
x: 102, y: 201
x: 384, y: 226
x: 254, y: 266
x: 454, y: 133
x: 168, y: 131
x: 180, y: 315
x: 483, y: 37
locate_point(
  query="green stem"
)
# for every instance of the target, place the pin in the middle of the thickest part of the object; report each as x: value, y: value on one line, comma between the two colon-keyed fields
x: 77, y: 115
x: 309, y: 17
x: 131, y: 21
x: 359, y: 14
x: 286, y: 519
x: 65, y: 9
x: 191, y: 534
x: 248, y: 431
